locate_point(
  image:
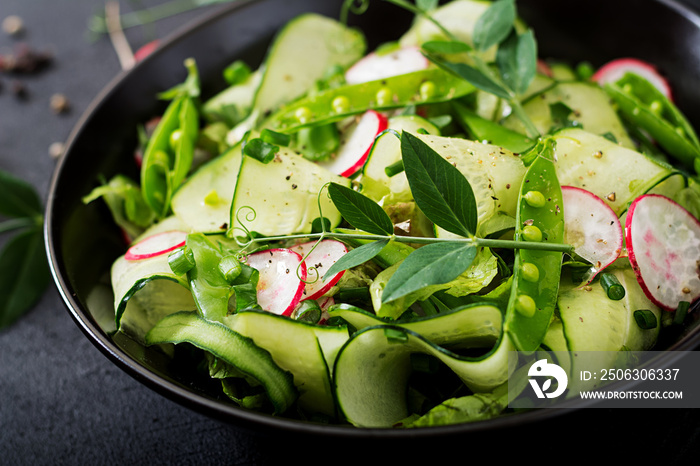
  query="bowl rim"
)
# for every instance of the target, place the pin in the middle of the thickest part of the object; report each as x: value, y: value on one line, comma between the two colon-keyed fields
x: 230, y: 412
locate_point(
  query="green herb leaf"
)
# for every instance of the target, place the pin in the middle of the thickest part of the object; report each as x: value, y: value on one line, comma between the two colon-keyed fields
x: 273, y: 137
x: 24, y: 274
x: 357, y: 256
x: 439, y: 189
x: 517, y: 60
x: 446, y: 46
x: 494, y: 25
x: 17, y: 197
x: 434, y: 264
x: 473, y: 76
x: 360, y: 211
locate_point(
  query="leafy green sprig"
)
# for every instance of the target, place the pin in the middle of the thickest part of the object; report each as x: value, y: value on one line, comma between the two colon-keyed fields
x: 446, y: 198
x: 24, y: 272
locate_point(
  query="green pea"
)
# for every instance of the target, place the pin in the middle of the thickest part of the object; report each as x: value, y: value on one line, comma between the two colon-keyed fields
x: 427, y: 90
x: 384, y: 96
x: 175, y: 138
x: 303, y: 114
x: 525, y: 305
x: 534, y: 199
x: 532, y: 233
x: 341, y: 104
x: 212, y: 198
x: 530, y: 272
x: 656, y: 107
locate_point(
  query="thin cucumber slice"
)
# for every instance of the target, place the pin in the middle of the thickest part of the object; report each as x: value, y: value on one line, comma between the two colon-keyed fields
x: 283, y: 196
x: 372, y: 371
x: 232, y: 348
x: 233, y: 103
x: 590, y: 105
x: 614, y: 173
x: 376, y: 184
x: 305, y: 350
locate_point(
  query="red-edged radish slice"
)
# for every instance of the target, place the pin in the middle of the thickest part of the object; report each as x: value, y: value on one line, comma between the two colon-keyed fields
x: 146, y: 50
x: 325, y: 303
x: 376, y: 66
x: 279, y: 288
x: 592, y: 228
x: 616, y: 69
x: 358, y: 140
x: 544, y: 68
x: 321, y: 258
x: 663, y: 244
x: 160, y: 243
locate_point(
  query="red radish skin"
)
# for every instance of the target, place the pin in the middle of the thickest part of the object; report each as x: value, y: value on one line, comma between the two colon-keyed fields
x: 616, y: 69
x: 592, y: 227
x: 379, y: 66
x: 663, y: 244
x: 279, y: 288
x: 325, y: 303
x: 156, y: 245
x: 322, y: 258
x: 354, y: 151
x: 146, y: 50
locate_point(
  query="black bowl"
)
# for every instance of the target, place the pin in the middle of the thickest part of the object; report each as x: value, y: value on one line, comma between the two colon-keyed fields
x: 82, y: 241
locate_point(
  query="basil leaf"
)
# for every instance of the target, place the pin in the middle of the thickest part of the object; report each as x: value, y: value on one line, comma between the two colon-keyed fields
x: 494, y: 25
x: 517, y: 60
x: 434, y: 264
x: 360, y: 211
x: 356, y: 257
x: 439, y: 189
x: 24, y: 274
x: 17, y: 197
x: 446, y: 46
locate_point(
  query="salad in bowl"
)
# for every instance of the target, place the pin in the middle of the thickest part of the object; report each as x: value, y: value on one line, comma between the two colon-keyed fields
x: 362, y: 237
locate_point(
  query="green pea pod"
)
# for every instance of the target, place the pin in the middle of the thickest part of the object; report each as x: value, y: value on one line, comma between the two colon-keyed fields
x: 482, y: 129
x: 536, y: 274
x: 427, y: 86
x: 645, y: 106
x: 170, y: 150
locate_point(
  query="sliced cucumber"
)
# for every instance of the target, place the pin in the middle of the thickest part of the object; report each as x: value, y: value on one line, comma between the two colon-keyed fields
x: 203, y: 202
x: 305, y: 350
x: 376, y: 184
x: 614, y: 173
x: 590, y: 105
x: 232, y: 348
x: 282, y: 197
x: 233, y: 103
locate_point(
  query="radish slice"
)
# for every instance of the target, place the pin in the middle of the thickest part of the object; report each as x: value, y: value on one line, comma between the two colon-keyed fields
x: 592, y: 227
x: 357, y: 144
x: 279, y: 288
x: 322, y: 258
x: 616, y: 69
x: 156, y: 245
x: 379, y: 66
x: 326, y: 302
x: 663, y: 243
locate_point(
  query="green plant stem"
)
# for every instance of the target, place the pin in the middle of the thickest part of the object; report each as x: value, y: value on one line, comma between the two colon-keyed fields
x: 485, y: 242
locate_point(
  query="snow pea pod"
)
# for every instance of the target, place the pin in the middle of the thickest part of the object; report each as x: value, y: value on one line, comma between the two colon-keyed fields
x: 170, y: 150
x: 536, y: 274
x: 645, y: 106
x: 427, y: 86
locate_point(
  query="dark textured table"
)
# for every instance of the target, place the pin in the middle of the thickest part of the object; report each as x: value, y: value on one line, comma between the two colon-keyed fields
x: 63, y: 402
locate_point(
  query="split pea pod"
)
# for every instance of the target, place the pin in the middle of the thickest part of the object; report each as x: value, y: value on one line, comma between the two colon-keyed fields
x: 432, y: 85
x: 170, y: 150
x: 645, y: 106
x: 536, y: 274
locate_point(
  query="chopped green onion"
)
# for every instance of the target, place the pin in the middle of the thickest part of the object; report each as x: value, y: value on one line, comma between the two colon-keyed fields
x: 359, y: 293
x: 681, y: 312
x: 230, y: 267
x: 308, y: 311
x: 394, y: 169
x: 260, y: 150
x: 612, y: 286
x: 181, y: 260
x: 645, y: 319
x: 275, y: 138
x: 395, y: 335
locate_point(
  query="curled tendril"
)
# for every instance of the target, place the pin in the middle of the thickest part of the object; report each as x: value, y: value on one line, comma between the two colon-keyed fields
x: 240, y: 227
x: 356, y: 7
x: 312, y: 269
x: 320, y: 209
